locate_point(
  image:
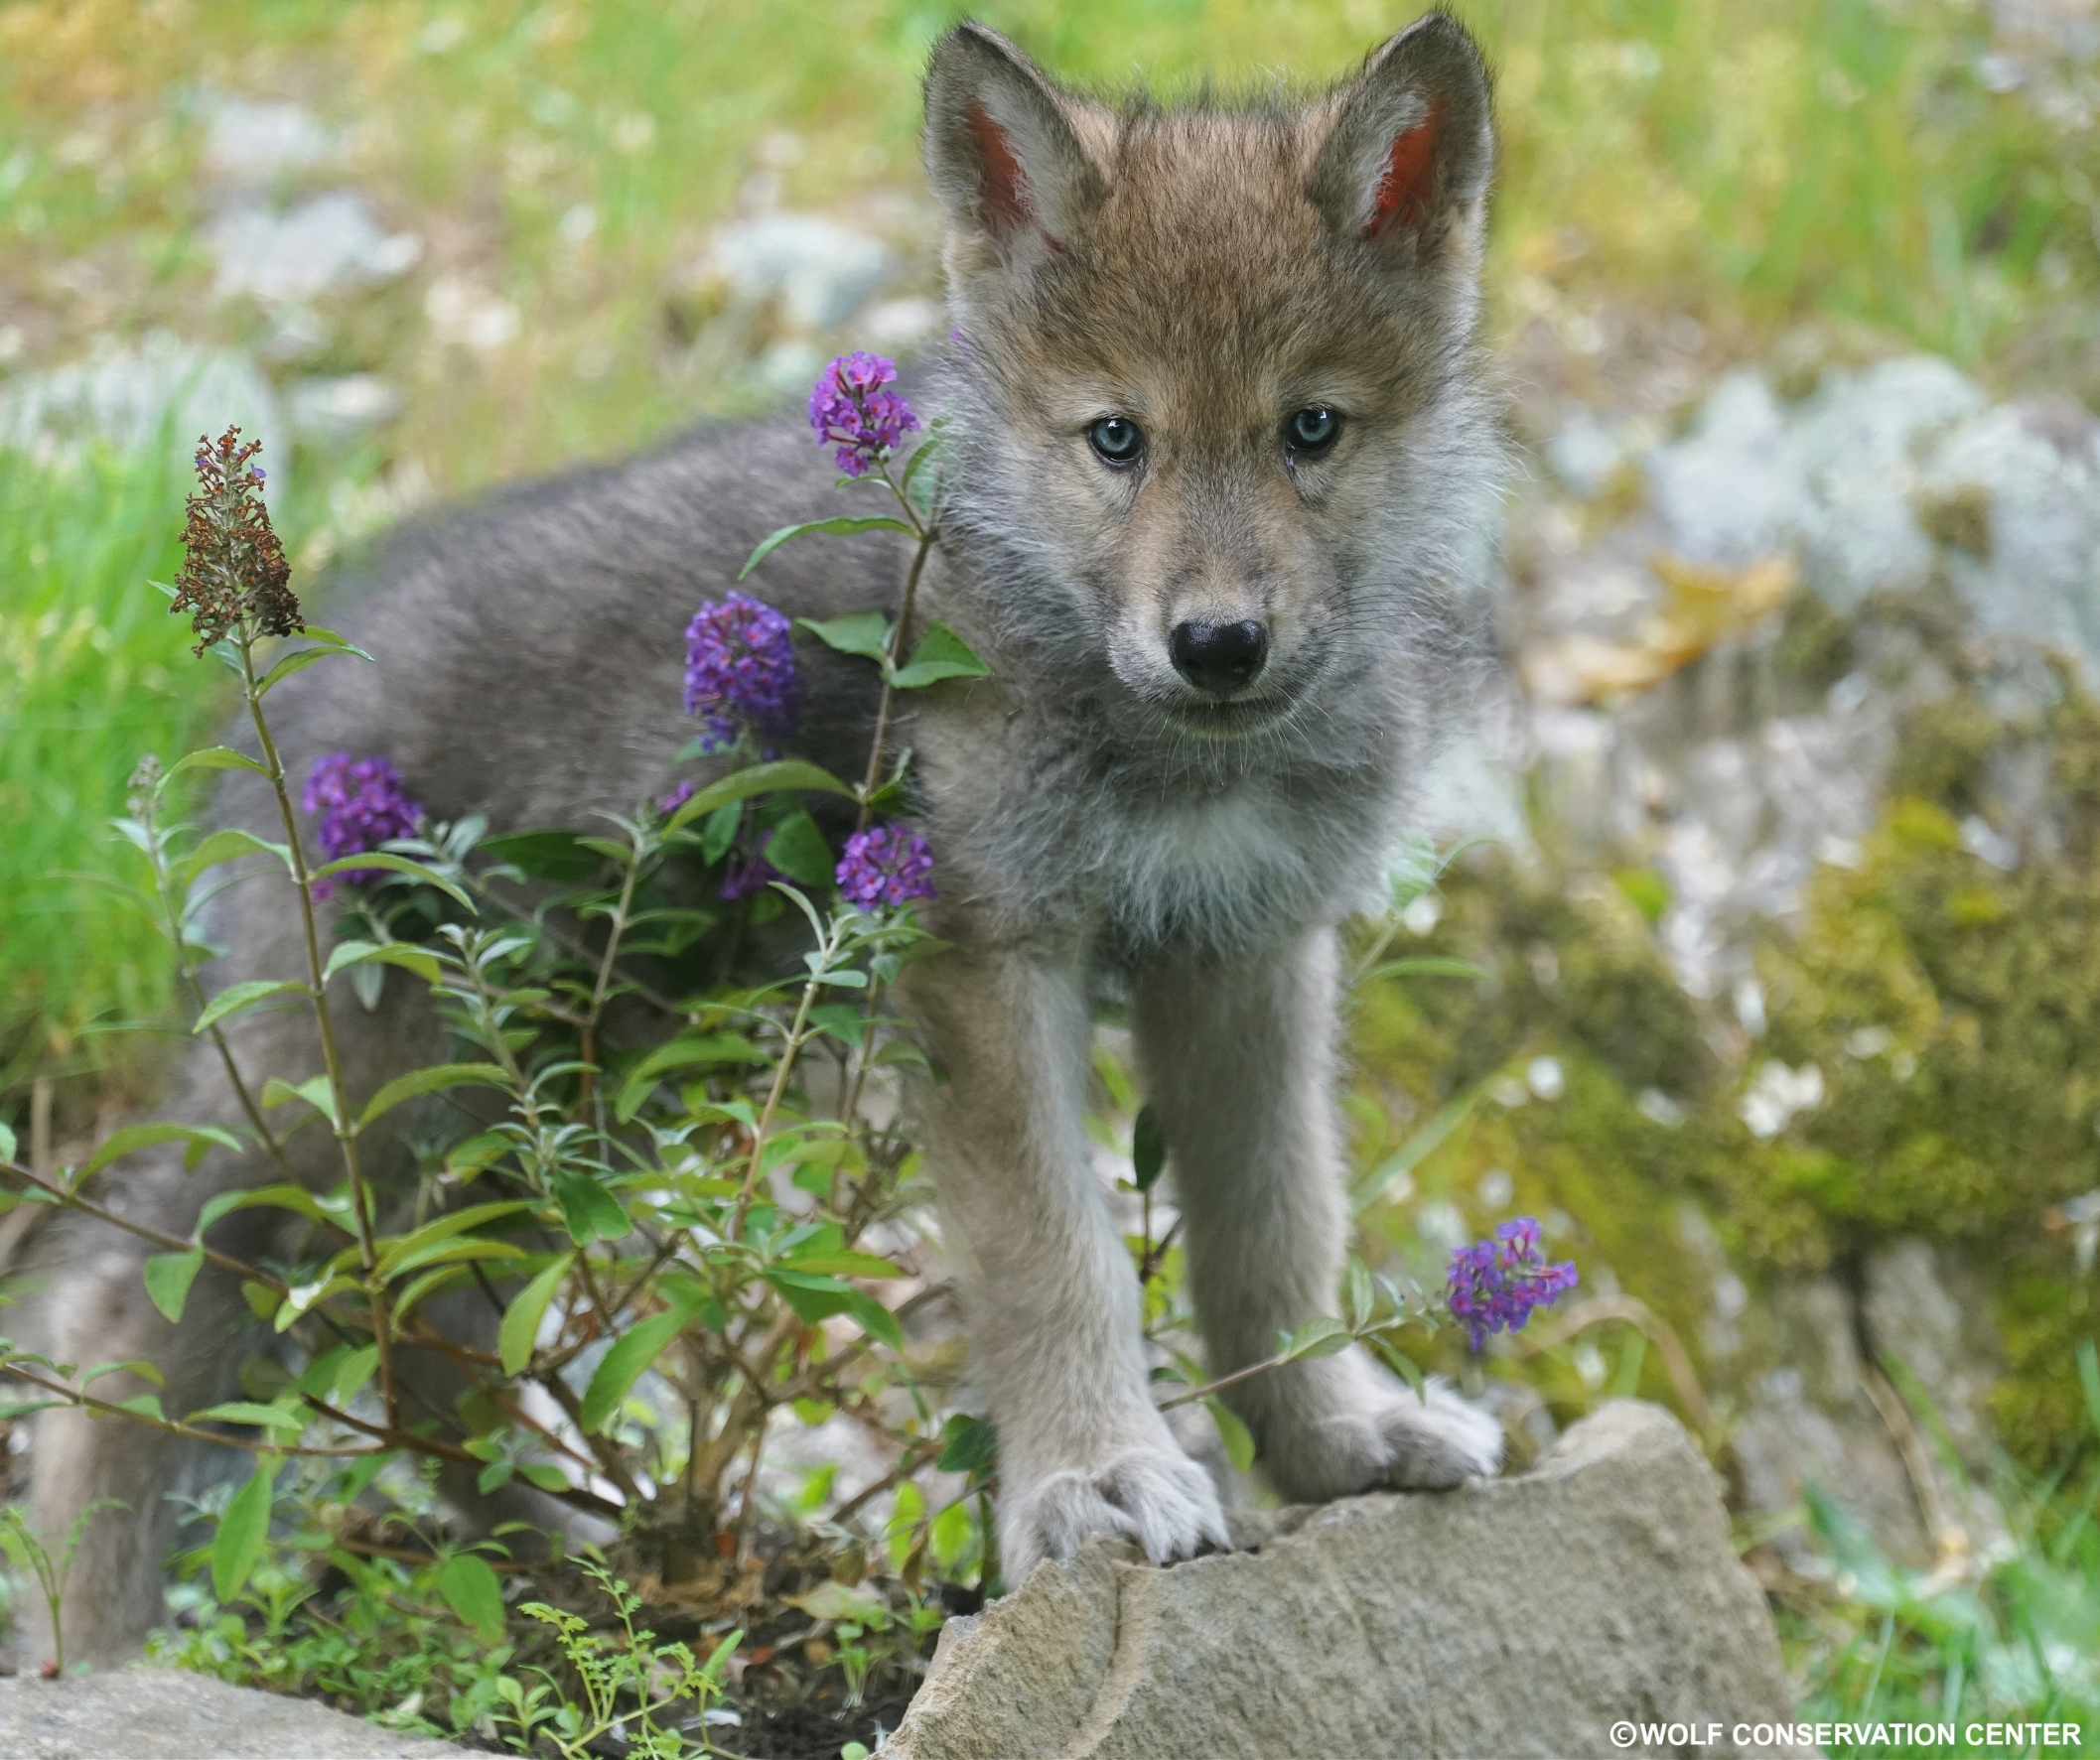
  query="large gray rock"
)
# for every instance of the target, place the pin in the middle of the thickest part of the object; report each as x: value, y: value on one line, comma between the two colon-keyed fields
x: 159, y: 1715
x: 1522, y: 1616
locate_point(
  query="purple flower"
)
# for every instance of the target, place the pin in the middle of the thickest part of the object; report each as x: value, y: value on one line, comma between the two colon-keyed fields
x: 678, y: 797
x: 885, y: 866
x: 1495, y: 1284
x: 850, y: 410
x: 362, y: 806
x: 745, y: 874
x: 740, y: 672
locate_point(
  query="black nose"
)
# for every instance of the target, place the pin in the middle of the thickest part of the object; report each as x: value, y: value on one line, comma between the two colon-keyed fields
x: 1218, y: 656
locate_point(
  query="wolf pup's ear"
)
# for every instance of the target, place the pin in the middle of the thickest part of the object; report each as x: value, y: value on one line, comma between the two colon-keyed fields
x: 1002, y: 150
x: 1407, y: 158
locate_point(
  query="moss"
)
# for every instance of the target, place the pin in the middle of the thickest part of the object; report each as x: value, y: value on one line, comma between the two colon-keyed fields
x: 1952, y: 1008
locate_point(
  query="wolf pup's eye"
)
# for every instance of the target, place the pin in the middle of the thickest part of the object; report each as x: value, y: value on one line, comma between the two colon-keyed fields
x: 1116, y: 439
x: 1312, y: 431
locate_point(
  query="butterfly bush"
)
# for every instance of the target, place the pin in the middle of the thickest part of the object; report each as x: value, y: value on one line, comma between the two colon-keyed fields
x: 1495, y: 1283
x: 361, y: 805
x: 740, y: 673
x: 853, y: 413
x: 887, y: 865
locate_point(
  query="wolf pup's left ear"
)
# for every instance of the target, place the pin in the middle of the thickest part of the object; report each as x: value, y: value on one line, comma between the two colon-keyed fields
x: 1409, y: 154
x: 1002, y: 150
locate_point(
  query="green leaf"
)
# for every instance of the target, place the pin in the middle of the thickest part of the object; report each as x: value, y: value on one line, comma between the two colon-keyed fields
x: 434, y: 1080
x: 968, y: 1445
x: 545, y: 854
x: 1321, y: 1336
x: 474, y: 1592
x: 1426, y: 966
x: 787, y: 773
x: 455, y: 1252
x: 247, y: 1412
x: 223, y: 846
x: 7, y: 1143
x: 941, y: 653
x: 682, y: 1053
x: 145, y: 1405
x: 622, y: 1366
x: 1401, y: 1364
x: 215, y: 757
x: 393, y: 865
x: 168, y: 1279
x: 815, y: 1298
x: 838, y: 1264
x: 1418, y: 1148
x: 298, y: 660
x: 1148, y: 1148
x: 398, y: 1252
x: 587, y: 1210
x: 546, y: 1476
x: 316, y: 634
x: 521, y: 1319
x: 315, y: 1091
x: 135, y: 1137
x: 242, y: 1532
x: 390, y: 953
x: 1237, y: 1438
x: 864, y: 632
x: 838, y: 526
x: 357, y: 1368
x: 236, y: 997
x: 798, y: 850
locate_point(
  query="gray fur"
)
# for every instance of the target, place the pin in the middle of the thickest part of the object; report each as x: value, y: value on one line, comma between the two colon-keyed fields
x: 1095, y: 820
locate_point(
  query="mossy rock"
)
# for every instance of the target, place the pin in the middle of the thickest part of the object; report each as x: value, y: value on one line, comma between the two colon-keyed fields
x: 1952, y: 1008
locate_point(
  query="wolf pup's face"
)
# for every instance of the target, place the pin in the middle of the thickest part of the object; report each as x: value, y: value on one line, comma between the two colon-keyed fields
x: 1216, y: 363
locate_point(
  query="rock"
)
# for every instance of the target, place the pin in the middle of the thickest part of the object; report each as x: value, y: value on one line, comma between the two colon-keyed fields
x: 331, y: 410
x: 130, y: 397
x: 151, y: 1713
x: 256, y: 143
x: 1515, y: 1617
x: 819, y: 270
x: 318, y: 246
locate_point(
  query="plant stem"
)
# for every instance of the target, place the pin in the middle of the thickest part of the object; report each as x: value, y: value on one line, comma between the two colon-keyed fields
x: 898, y: 637
x: 173, y: 1243
x: 331, y: 1057
x: 773, y: 1097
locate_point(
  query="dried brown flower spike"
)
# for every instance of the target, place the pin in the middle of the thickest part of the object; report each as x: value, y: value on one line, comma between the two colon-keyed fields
x: 235, y: 567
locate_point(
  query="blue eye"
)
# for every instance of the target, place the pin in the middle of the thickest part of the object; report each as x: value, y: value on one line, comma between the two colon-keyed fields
x: 1116, y: 439
x: 1312, y: 431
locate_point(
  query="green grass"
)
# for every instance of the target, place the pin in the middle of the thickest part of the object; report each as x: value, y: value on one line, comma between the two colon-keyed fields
x: 2016, y: 1640
x: 93, y: 673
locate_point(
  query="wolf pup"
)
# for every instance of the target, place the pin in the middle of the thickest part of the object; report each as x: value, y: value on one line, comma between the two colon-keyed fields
x: 1221, y: 449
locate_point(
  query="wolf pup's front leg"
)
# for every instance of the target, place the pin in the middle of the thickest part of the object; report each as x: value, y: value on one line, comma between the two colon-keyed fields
x: 1238, y: 1055
x: 1052, y: 1293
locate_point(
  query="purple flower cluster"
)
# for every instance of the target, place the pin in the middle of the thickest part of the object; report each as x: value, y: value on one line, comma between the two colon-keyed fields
x: 678, y: 797
x: 740, y: 672
x: 885, y: 866
x: 362, y: 806
x: 850, y: 410
x: 1495, y: 1284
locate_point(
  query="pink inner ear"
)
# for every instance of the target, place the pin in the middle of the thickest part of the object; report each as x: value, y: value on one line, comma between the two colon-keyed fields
x: 1410, y: 172
x: 1006, y: 197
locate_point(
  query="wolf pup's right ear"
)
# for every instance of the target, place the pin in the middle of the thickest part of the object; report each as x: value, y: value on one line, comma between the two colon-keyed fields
x: 1410, y: 151
x: 1003, y: 152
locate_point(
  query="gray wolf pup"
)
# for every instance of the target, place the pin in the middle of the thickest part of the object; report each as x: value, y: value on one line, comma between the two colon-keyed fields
x: 1222, y: 448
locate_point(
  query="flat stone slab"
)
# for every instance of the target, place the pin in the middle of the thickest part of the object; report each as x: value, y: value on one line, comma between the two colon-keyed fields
x: 1516, y: 1618
x: 151, y: 1713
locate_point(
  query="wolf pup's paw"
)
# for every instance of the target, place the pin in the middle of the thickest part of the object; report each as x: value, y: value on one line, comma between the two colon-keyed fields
x: 1373, y: 1436
x: 1435, y: 1444
x: 1157, y: 1498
